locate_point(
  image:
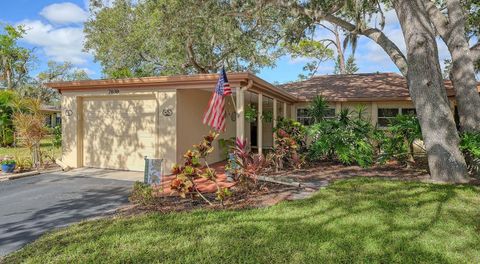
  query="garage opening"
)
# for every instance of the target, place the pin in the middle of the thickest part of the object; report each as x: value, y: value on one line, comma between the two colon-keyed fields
x: 118, y: 132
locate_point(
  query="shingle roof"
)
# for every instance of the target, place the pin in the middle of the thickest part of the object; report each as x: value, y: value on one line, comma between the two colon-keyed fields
x: 355, y: 87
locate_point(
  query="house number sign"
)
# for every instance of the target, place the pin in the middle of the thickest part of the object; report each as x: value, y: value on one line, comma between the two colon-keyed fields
x: 113, y: 91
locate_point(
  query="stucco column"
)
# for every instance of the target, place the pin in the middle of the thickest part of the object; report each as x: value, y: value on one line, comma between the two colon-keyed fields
x: 285, y: 110
x: 274, y: 118
x: 240, y: 102
x: 260, y: 123
x: 374, y: 114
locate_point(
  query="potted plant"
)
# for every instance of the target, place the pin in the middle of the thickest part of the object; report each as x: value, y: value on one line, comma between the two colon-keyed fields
x: 8, y: 165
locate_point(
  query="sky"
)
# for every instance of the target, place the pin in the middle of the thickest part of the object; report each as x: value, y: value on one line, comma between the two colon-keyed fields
x: 55, y: 32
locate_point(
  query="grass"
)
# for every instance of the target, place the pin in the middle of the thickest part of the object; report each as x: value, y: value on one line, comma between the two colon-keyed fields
x: 352, y: 221
x: 23, y: 153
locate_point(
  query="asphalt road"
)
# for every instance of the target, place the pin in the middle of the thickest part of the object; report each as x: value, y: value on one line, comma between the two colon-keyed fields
x: 31, y: 206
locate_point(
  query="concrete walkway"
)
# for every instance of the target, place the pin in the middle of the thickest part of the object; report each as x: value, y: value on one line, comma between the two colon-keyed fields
x: 31, y: 206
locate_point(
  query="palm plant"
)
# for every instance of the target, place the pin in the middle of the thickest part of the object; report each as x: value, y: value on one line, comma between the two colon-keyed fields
x: 318, y: 108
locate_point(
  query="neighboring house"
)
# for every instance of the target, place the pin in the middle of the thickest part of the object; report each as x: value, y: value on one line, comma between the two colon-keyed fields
x: 382, y: 96
x: 52, y: 115
x: 116, y: 123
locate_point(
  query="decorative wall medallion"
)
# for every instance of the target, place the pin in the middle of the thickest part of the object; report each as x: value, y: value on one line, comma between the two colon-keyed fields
x: 167, y: 112
x: 68, y: 112
x: 233, y: 116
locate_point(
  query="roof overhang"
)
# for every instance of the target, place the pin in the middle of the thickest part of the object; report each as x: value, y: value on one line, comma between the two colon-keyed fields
x: 197, y: 81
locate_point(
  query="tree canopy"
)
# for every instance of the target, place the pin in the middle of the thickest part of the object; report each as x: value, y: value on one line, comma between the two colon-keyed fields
x: 164, y: 37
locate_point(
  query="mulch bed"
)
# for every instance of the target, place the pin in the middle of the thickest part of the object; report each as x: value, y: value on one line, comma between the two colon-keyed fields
x: 311, y: 179
x: 266, y: 195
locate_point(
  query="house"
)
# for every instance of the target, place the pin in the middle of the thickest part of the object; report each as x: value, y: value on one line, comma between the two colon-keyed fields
x: 116, y: 123
x: 52, y: 115
x: 382, y: 96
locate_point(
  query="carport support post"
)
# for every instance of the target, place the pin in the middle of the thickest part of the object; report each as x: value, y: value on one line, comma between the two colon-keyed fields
x: 259, y: 123
x: 274, y: 119
x: 240, y: 124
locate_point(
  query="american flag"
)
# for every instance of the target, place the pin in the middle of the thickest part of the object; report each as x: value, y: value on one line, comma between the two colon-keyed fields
x: 215, y: 114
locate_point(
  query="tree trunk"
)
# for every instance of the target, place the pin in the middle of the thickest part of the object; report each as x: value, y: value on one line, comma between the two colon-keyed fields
x: 341, y: 57
x: 463, y: 71
x: 428, y: 93
x: 462, y: 74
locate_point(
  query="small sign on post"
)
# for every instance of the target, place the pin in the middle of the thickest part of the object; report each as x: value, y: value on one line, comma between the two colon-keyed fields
x: 153, y: 171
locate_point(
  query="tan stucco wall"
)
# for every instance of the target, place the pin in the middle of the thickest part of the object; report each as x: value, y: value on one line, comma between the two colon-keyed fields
x: 190, y: 128
x: 72, y: 128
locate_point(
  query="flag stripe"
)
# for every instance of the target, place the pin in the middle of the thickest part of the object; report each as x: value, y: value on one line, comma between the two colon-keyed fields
x: 215, y: 113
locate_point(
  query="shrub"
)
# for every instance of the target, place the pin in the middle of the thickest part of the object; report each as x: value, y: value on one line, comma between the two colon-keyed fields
x: 142, y: 194
x: 400, y: 135
x: 57, y: 136
x: 470, y: 146
x: 192, y: 169
x: 318, y: 108
x: 287, y: 151
x: 29, y: 123
x: 248, y: 166
x: 6, y: 111
x: 295, y: 130
x: 344, y: 139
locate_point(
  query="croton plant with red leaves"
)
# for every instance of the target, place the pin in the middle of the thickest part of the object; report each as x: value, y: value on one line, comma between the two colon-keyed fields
x: 194, y: 167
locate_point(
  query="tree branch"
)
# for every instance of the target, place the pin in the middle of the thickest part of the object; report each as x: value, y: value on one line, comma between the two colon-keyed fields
x: 379, y: 37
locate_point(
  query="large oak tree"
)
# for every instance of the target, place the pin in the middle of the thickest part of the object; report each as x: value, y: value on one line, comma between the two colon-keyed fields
x: 420, y: 65
x: 162, y: 37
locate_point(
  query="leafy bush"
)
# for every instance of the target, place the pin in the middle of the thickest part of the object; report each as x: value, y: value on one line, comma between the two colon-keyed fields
x: 470, y: 146
x: 186, y: 174
x: 248, y: 166
x: 6, y: 111
x: 400, y: 135
x: 57, y: 136
x: 7, y: 161
x: 317, y: 109
x: 295, y: 130
x: 142, y: 194
x: 344, y: 139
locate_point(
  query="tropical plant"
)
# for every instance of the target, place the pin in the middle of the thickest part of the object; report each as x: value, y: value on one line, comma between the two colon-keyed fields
x: 470, y: 146
x: 193, y: 169
x: 29, y: 124
x: 251, y: 113
x: 267, y: 116
x: 401, y: 134
x: 295, y: 130
x: 317, y: 108
x: 286, y: 151
x: 248, y: 166
x: 346, y: 140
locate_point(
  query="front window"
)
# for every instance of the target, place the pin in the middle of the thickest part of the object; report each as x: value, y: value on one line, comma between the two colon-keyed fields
x: 329, y: 113
x: 303, y: 117
x: 385, y: 115
x: 409, y: 111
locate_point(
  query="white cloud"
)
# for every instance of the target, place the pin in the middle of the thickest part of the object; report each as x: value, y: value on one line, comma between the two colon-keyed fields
x: 59, y: 44
x: 64, y: 13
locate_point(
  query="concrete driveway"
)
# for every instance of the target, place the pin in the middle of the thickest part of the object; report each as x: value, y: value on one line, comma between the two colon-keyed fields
x: 31, y: 206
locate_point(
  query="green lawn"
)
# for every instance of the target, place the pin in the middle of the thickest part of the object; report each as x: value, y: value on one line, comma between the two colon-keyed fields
x: 24, y: 153
x: 352, y: 221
